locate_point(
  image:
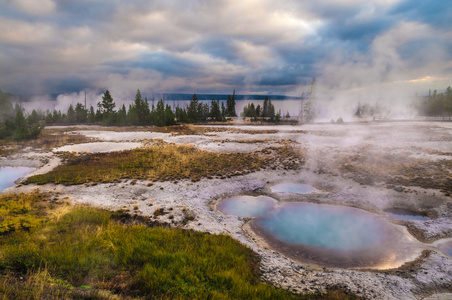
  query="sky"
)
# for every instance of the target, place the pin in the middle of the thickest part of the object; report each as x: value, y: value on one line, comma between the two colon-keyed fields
x: 373, y: 50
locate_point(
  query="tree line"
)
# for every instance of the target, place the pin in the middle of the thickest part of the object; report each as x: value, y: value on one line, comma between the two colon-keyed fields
x: 265, y: 113
x: 18, y: 126
x: 435, y: 104
x: 14, y: 124
x: 141, y: 112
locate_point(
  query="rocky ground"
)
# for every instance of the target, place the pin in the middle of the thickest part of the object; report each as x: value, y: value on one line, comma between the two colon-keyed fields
x: 368, y: 166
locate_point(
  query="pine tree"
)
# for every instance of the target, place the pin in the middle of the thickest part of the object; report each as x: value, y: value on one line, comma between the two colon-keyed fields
x: 106, y: 109
x: 122, y: 116
x: 21, y: 127
x: 271, y: 110
x: 169, y: 116
x: 230, y: 106
x: 181, y: 115
x: 57, y: 117
x: 49, y: 117
x: 6, y: 108
x: 203, y: 112
x: 265, y: 111
x: 23, y: 130
x: 81, y: 115
x: 215, y: 112
x: 232, y: 112
x: 223, y: 110
x: 143, y: 114
x: 92, y: 115
x: 278, y: 116
x: 147, y: 117
x: 258, y: 111
x: 70, y: 115
x: 192, y: 110
x: 107, y: 105
x: 159, y: 114
x: 33, y: 118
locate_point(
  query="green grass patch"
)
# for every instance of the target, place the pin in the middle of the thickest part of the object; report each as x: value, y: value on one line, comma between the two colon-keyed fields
x: 88, y: 253
x: 156, y: 162
x: 22, y: 212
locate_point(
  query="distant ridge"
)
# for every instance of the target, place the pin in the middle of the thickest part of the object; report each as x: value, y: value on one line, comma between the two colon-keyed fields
x: 177, y: 97
x: 204, y: 97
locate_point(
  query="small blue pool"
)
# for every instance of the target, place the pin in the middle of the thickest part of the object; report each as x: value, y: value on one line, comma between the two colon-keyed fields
x: 10, y: 174
x: 293, y: 188
x: 246, y: 206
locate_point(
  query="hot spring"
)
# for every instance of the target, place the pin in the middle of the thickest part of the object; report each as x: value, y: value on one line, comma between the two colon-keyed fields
x: 334, y: 236
x: 293, y: 188
x: 246, y: 206
x: 10, y: 174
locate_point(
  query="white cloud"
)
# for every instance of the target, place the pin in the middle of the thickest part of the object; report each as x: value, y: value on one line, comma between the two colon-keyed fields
x: 39, y: 7
x: 25, y: 33
x: 257, y: 39
x: 385, y: 64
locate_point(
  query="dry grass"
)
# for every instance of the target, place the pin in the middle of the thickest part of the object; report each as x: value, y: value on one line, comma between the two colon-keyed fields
x: 168, y: 162
x: 258, y: 141
x: 57, y: 137
x: 164, y: 162
x: 8, y: 148
x: 286, y: 156
x: 368, y: 167
x: 48, y: 139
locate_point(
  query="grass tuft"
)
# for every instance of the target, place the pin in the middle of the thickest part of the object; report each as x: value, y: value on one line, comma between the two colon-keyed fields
x: 164, y: 162
x: 86, y: 253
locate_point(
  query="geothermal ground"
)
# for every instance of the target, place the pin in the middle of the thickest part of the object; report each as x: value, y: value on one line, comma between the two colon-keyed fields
x: 373, y: 167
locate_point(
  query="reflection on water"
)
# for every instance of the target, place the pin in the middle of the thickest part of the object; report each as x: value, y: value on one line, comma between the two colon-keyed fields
x: 405, y: 214
x: 10, y: 174
x: 294, y: 188
x: 246, y: 206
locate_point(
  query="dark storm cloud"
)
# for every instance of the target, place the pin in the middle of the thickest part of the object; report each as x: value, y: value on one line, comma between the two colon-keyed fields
x: 50, y: 46
x: 62, y: 85
x: 220, y: 47
x: 435, y: 12
x: 165, y: 63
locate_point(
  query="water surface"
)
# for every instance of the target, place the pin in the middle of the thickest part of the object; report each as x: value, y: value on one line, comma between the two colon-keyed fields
x: 332, y: 235
x: 327, y: 226
x: 246, y: 206
x: 293, y: 188
x: 10, y: 174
